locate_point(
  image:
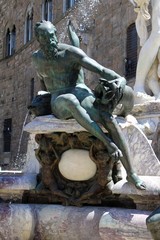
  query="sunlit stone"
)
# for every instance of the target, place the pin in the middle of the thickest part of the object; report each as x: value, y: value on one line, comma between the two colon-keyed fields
x: 75, y: 164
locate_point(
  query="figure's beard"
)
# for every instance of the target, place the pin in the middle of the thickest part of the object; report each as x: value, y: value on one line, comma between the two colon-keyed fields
x: 50, y: 50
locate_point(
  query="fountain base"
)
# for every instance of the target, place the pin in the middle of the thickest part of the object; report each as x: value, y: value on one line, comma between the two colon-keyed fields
x: 30, y: 215
x: 29, y: 212
x: 40, y: 221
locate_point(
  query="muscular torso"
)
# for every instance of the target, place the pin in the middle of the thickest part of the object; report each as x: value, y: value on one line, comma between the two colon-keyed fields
x: 60, y: 72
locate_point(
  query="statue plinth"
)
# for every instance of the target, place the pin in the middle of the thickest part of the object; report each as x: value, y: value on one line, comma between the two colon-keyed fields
x: 75, y: 166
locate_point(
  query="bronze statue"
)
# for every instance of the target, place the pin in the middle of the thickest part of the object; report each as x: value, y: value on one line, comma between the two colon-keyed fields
x: 59, y: 67
x: 153, y: 223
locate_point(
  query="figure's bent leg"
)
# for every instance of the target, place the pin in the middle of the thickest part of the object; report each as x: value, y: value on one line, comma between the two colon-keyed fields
x: 67, y: 106
x: 113, y: 128
x: 127, y: 101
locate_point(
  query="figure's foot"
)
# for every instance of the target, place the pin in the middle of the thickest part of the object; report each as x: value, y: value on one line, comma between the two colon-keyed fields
x: 133, y: 178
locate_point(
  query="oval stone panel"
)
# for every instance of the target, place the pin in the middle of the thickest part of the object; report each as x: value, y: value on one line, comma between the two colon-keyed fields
x: 76, y: 165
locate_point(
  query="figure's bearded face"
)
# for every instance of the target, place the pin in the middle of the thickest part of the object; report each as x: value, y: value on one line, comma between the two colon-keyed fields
x: 47, y: 38
x: 45, y: 33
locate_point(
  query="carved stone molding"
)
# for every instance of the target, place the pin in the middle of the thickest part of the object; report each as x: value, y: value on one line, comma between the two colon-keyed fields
x: 52, y: 146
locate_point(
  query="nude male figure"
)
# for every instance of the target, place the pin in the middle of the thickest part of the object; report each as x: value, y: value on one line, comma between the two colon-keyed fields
x: 59, y: 67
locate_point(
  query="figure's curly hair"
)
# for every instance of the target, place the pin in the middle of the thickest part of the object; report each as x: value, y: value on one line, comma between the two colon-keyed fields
x: 41, y: 26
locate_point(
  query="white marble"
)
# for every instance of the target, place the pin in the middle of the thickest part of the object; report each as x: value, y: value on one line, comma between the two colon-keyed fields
x: 140, y: 97
x: 147, y: 115
x: 148, y: 66
x: 76, y: 165
x: 144, y: 160
x: 152, y: 187
x: 48, y: 124
x: 48, y: 222
x: 31, y: 165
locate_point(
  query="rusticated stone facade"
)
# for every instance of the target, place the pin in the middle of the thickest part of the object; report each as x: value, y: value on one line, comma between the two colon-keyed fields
x: 102, y: 26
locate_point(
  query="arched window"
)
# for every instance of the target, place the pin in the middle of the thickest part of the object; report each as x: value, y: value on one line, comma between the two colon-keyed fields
x: 32, y: 89
x: 8, y: 43
x: 29, y: 27
x: 47, y: 11
x: 11, y: 41
x: 131, y: 52
x: 68, y: 4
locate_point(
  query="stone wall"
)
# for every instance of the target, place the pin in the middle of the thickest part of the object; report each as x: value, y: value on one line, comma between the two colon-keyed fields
x: 102, y: 26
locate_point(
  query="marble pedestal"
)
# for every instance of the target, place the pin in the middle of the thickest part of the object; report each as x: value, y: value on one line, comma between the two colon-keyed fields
x: 143, y: 157
x: 147, y: 115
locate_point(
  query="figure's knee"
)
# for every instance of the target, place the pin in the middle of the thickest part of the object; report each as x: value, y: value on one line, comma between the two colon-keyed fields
x: 127, y: 101
x: 66, y: 100
x: 63, y: 105
x: 154, y: 217
x: 153, y: 223
x: 69, y: 101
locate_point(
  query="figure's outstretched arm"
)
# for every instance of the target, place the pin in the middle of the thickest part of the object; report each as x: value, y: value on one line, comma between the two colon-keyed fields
x: 94, y: 66
x: 72, y: 35
x: 75, y: 42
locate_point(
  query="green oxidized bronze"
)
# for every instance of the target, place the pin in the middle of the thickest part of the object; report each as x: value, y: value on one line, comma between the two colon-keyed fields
x: 153, y: 223
x: 59, y: 67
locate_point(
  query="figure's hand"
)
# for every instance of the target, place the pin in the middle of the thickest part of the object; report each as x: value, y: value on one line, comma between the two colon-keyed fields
x: 115, y: 84
x: 114, y: 152
x: 119, y: 85
x: 110, y: 91
x: 69, y: 23
x: 108, y: 83
x: 116, y: 155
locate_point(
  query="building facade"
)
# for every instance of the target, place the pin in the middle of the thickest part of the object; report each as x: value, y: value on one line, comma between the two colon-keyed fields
x: 107, y: 32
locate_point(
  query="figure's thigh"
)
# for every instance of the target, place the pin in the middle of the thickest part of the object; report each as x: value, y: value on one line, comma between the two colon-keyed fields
x: 92, y: 111
x: 62, y: 106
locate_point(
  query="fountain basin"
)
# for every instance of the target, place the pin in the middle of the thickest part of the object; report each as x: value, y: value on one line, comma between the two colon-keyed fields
x: 26, y: 220
x: 33, y: 221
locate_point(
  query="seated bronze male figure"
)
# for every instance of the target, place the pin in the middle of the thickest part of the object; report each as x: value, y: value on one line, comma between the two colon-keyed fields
x: 59, y: 67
